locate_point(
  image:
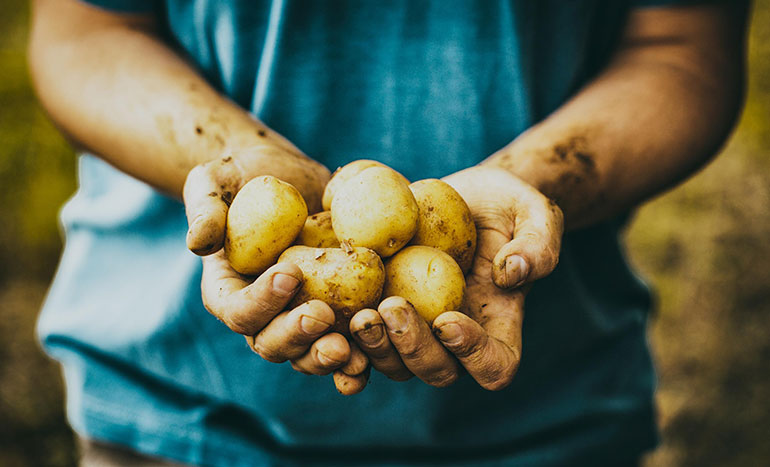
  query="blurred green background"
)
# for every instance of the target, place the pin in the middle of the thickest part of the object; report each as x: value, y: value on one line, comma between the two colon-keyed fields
x: 705, y: 246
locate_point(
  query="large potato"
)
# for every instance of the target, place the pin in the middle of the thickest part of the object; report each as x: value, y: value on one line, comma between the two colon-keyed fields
x: 445, y: 221
x: 428, y: 278
x: 345, y: 173
x: 346, y: 281
x: 318, y: 232
x: 264, y: 218
x: 376, y: 210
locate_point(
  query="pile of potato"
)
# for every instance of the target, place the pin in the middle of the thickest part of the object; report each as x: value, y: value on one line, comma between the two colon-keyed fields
x: 423, y: 231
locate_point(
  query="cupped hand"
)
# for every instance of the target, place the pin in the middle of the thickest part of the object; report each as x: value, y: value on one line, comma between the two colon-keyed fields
x: 519, y: 238
x: 256, y: 307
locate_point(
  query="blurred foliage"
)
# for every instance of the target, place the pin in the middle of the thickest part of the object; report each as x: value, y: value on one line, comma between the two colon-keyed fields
x: 37, y: 173
x: 704, y: 246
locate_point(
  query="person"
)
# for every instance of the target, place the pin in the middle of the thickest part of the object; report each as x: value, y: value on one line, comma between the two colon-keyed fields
x: 547, y: 117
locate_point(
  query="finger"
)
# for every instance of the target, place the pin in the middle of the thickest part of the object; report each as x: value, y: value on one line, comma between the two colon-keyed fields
x: 207, y: 193
x: 422, y: 354
x: 488, y: 360
x: 357, y: 363
x: 325, y: 355
x: 488, y: 344
x: 247, y: 307
x: 534, y: 250
x: 348, y: 385
x: 368, y: 331
x: 290, y: 333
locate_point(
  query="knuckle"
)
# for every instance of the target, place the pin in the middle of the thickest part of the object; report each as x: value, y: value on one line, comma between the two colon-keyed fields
x: 299, y: 368
x: 442, y: 379
x: 471, y: 349
x: 412, y: 349
x: 239, y: 323
x: 268, y: 353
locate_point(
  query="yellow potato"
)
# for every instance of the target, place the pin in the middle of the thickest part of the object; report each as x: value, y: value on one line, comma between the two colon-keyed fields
x: 376, y: 210
x: 345, y: 173
x: 263, y: 220
x: 346, y: 281
x: 428, y: 278
x: 318, y: 232
x: 445, y: 221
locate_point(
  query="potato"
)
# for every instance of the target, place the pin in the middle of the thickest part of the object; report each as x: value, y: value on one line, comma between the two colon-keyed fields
x: 346, y: 281
x: 318, y: 232
x: 376, y: 210
x: 264, y: 218
x: 445, y: 221
x: 428, y: 278
x: 345, y: 173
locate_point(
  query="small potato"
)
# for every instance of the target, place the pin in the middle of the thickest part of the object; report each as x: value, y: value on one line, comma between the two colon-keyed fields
x: 345, y: 173
x: 318, y: 232
x: 445, y: 221
x: 346, y: 281
x: 428, y: 278
x: 264, y: 218
x: 376, y: 210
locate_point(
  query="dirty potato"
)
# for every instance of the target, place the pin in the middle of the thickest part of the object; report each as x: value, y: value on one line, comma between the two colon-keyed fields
x: 345, y: 173
x: 445, y: 221
x: 318, y: 232
x: 428, y: 278
x: 264, y: 218
x: 348, y: 281
x: 376, y: 210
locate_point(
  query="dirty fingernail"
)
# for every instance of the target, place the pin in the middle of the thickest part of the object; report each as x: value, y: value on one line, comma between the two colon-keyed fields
x: 450, y: 333
x: 516, y: 270
x: 370, y: 334
x: 312, y: 326
x: 284, y: 284
x: 395, y: 319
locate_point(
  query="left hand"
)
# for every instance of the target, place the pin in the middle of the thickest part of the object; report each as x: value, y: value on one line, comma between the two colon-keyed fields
x: 519, y: 238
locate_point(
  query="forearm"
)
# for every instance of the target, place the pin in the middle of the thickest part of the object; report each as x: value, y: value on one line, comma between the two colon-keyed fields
x: 660, y: 109
x: 119, y: 91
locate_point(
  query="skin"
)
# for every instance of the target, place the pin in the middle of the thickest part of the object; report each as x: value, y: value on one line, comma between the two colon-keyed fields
x: 151, y: 115
x: 658, y: 111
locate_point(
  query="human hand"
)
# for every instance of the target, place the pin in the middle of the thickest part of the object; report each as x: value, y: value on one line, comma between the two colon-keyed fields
x: 519, y: 237
x: 255, y: 307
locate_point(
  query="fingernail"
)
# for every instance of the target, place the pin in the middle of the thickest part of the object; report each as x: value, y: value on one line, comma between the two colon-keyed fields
x: 325, y: 360
x: 395, y: 319
x: 516, y: 270
x: 312, y: 326
x: 370, y: 334
x: 284, y: 284
x: 450, y: 333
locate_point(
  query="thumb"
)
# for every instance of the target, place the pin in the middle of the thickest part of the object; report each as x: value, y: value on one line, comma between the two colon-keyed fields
x: 533, y: 252
x: 207, y: 196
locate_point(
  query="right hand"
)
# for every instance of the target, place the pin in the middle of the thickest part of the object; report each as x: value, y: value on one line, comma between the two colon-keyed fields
x: 255, y: 307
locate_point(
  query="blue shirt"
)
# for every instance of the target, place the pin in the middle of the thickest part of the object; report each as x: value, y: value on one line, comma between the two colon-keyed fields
x: 428, y: 88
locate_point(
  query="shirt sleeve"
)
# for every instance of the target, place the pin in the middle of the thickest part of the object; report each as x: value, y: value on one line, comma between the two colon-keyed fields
x: 126, y: 6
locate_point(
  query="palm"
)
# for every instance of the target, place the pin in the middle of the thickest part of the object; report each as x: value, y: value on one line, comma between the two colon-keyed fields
x: 487, y: 304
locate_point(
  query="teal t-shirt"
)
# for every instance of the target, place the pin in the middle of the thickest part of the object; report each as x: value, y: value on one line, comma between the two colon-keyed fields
x: 428, y: 87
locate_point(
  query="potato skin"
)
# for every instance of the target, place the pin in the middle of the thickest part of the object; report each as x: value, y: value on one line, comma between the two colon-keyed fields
x: 428, y: 278
x: 264, y: 218
x: 318, y: 232
x: 445, y: 221
x: 376, y: 210
x: 346, y: 281
x: 345, y: 173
